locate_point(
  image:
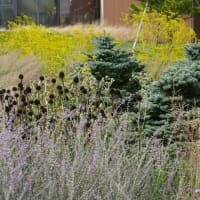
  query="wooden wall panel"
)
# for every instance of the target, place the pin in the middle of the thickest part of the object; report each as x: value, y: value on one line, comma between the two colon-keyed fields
x: 113, y: 10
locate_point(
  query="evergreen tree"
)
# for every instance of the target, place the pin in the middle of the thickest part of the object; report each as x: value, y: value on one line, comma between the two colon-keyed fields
x: 178, y: 85
x: 118, y: 64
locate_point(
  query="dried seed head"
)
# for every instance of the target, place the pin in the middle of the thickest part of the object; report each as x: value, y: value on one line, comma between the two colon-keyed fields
x: 20, y: 86
x: 73, y: 107
x: 43, y: 110
x: 14, y: 89
x: 19, y: 111
x: 30, y: 113
x: 38, y: 87
x: 59, y: 87
x: 37, y: 102
x: 83, y: 90
x: 7, y: 109
x: 76, y: 79
x: 21, y: 76
x: 60, y: 92
x: 28, y: 90
x: 53, y: 80
x: 50, y: 101
x: 61, y: 75
x: 14, y: 103
x: 16, y: 95
x: 87, y: 125
x: 66, y: 90
x: 31, y: 102
x: 41, y: 78
x: 51, y: 96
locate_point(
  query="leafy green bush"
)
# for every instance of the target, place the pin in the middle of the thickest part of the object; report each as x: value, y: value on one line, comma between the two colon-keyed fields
x: 21, y: 20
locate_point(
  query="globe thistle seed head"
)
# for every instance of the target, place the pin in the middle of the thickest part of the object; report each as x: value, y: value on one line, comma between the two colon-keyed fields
x: 21, y: 76
x: 41, y: 78
x: 66, y: 90
x: 43, y: 110
x: 14, y: 103
x: 59, y: 87
x: 53, y: 80
x: 38, y: 87
x: 7, y: 109
x: 16, y: 95
x: 30, y: 113
x: 31, y: 102
x: 28, y: 90
x: 60, y: 92
x: 37, y: 102
x: 73, y: 107
x: 61, y: 75
x: 14, y: 89
x: 51, y: 96
x: 19, y: 111
x: 25, y: 104
x: 23, y: 98
x: 83, y: 90
x: 50, y: 101
x: 20, y: 86
x: 75, y: 79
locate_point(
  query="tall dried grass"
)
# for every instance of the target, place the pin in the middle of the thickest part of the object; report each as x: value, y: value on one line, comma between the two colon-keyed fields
x: 12, y: 64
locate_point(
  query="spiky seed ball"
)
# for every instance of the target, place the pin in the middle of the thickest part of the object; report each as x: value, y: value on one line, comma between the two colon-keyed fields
x: 83, y: 90
x: 66, y: 90
x: 53, y: 80
x: 37, y: 102
x: 38, y: 87
x: 31, y: 102
x: 14, y: 89
x: 66, y: 98
x: 50, y: 101
x: 21, y: 76
x: 14, y: 103
x: 28, y: 90
x: 43, y: 110
x: 41, y: 78
x: 59, y: 87
x: 61, y: 75
x: 87, y: 125
x: 73, y: 107
x: 16, y: 95
x: 19, y: 111
x: 51, y: 96
x: 20, y: 86
x: 30, y: 113
x: 23, y: 98
x: 76, y: 79
x: 6, y: 97
x: 25, y: 103
x: 7, y: 109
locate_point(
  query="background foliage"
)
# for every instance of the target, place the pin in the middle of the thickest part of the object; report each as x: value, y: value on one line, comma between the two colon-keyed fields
x: 161, y: 39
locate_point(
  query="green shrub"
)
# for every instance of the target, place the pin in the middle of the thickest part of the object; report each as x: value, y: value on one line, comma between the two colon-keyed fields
x: 118, y: 64
x: 175, y: 94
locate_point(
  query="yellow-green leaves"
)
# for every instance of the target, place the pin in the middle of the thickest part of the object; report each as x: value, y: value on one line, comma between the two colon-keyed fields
x: 56, y: 50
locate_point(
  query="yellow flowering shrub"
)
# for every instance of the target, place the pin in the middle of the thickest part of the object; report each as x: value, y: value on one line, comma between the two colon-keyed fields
x: 56, y: 50
x: 161, y: 39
